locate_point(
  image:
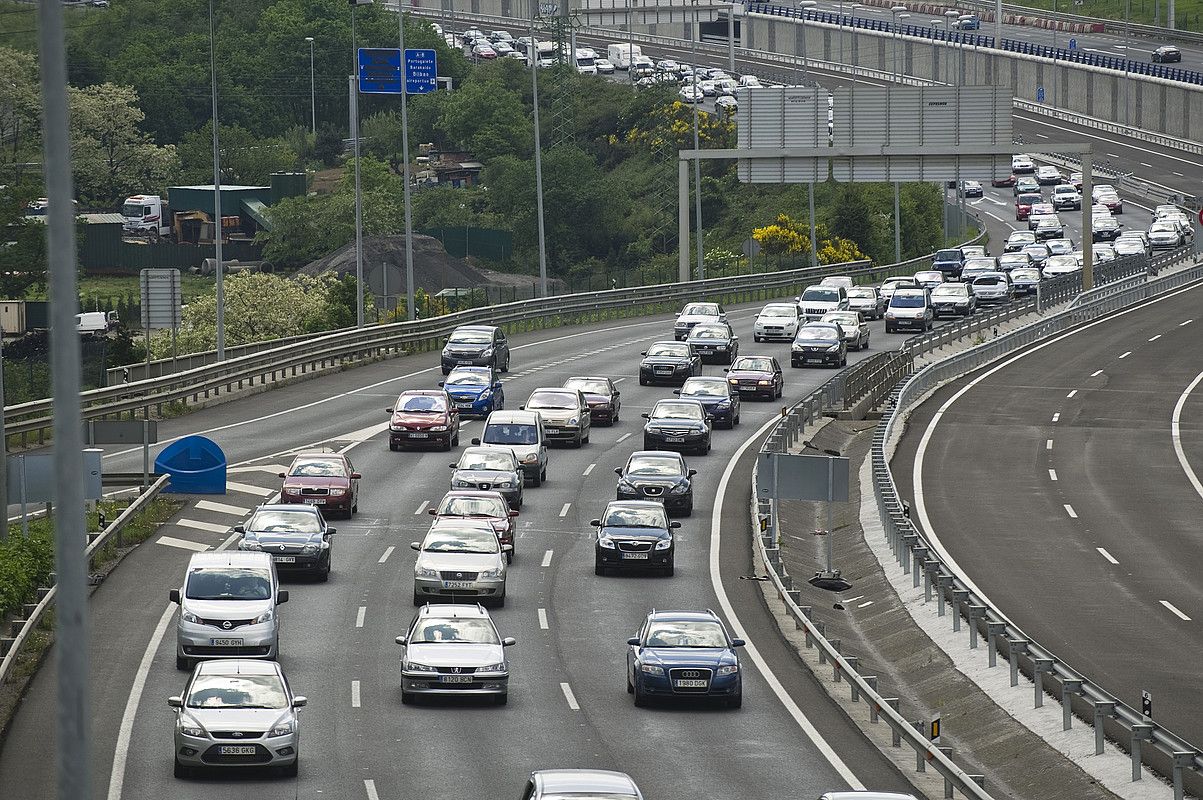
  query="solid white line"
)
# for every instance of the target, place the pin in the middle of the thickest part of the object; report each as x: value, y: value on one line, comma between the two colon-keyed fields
x: 1056, y: 416
x: 1174, y: 610
x: 183, y: 544
x: 422, y: 508
x: 737, y: 627
x: 359, y: 615
x: 1071, y: 394
x: 388, y: 551
x: 117, y: 775
x: 619, y: 380
x: 1096, y: 373
x: 207, y: 527
x: 588, y: 469
x: 247, y: 488
x: 1048, y: 444
x: 1070, y: 510
x: 1052, y: 474
x: 1155, y: 338
x: 222, y: 508
x: 564, y: 509
x: 547, y: 558
x: 1176, y: 435
x: 622, y: 438
x: 1103, y: 552
x: 543, y: 618
x: 1189, y: 321
x: 866, y: 603
x: 370, y: 787
x: 570, y: 697
x: 1125, y: 355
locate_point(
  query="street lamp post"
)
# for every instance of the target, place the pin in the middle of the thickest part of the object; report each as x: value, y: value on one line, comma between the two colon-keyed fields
x: 697, y: 162
x: 354, y: 113
x: 852, y: 8
x: 949, y: 16
x: 217, y: 227
x: 1127, y: 50
x: 534, y: 80
x: 312, y: 91
x: 897, y: 13
x: 802, y: 6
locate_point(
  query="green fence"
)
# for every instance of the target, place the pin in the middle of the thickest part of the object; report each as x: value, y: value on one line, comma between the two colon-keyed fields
x: 488, y: 243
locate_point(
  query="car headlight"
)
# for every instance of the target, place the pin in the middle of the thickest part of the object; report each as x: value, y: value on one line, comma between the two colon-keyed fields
x: 764, y: 383
x: 413, y: 666
x: 435, y: 429
x: 530, y: 458
x: 393, y: 427
x: 337, y: 492
x: 485, y: 395
x: 425, y: 572
x: 728, y: 669
x: 889, y: 315
x: 723, y: 404
x: 574, y: 421
x: 491, y: 574
x: 459, y: 482
x: 651, y: 669
x: 283, y: 729
x: 266, y: 616
x: 310, y: 548
x: 797, y: 347
x: 721, y: 347
x: 498, y: 667
x: 835, y: 348
x: 606, y: 542
x: 732, y: 381
x: 664, y: 544
x: 188, y: 616
x: 189, y: 727
x: 506, y: 484
x: 626, y: 486
x: 488, y: 351
x: 680, y: 488
x: 249, y: 544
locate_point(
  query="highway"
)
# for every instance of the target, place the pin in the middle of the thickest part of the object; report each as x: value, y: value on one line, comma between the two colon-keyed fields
x: 567, y: 707
x: 1064, y: 483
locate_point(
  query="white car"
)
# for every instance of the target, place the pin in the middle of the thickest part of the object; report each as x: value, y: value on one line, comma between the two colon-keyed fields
x: 994, y: 287
x: 837, y: 280
x: 1022, y: 165
x: 697, y: 314
x: 891, y: 285
x: 1059, y: 265
x: 604, y: 66
x: 819, y: 299
x: 690, y: 94
x: 856, y: 330
x: 728, y: 104
x: 1066, y: 196
x: 749, y: 80
x: 1165, y: 235
x: 776, y: 321
x: 709, y: 87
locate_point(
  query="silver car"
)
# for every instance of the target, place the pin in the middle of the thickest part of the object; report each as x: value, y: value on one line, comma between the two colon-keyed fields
x: 489, y: 469
x: 565, y: 414
x: 454, y: 650
x: 856, y: 330
x: 545, y: 784
x: 867, y: 301
x: 237, y: 713
x: 460, y: 559
x: 994, y: 287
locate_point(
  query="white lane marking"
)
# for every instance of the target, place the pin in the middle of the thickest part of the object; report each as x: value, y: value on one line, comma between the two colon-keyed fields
x: 622, y: 438
x: 1189, y: 321
x: 1125, y: 355
x: 543, y: 618
x: 388, y: 551
x: 222, y: 508
x: 208, y: 527
x: 247, y: 488
x: 1033, y: 120
x: 1048, y: 444
x: 369, y: 786
x: 866, y: 603
x: 1103, y: 552
x: 1143, y: 164
x: 1096, y: 373
x: 737, y: 627
x: 588, y: 469
x: 1155, y: 338
x: 1114, y: 155
x: 1179, y: 174
x: 359, y: 615
x: 1052, y: 474
x: 547, y: 558
x: 570, y: 697
x: 354, y: 694
x: 422, y: 508
x: 1070, y: 510
x: 564, y: 509
x: 1056, y: 416
x: 1071, y: 394
x: 183, y: 544
x: 117, y: 775
x: 1174, y: 610
x: 1176, y: 435
x: 1042, y: 136
x: 619, y: 380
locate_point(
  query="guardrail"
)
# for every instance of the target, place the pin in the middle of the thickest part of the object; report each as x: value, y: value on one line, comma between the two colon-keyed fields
x: 21, y: 629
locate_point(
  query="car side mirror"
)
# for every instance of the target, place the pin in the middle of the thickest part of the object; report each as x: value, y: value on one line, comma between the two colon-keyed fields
x: 522, y: 408
x: 595, y: 523
x: 331, y: 531
x: 440, y: 384
x: 692, y: 472
x: 446, y: 338
x: 674, y: 524
x: 388, y: 411
x: 643, y: 353
x: 507, y: 548
x: 633, y: 641
x: 735, y: 338
x: 281, y: 597
x: 355, y: 476
x: 174, y: 595
x: 281, y: 475
x: 726, y: 369
x: 676, y: 391
x: 415, y: 546
x: 737, y: 643
x: 239, y: 528
x: 513, y: 513
x: 400, y: 640
x: 453, y: 466
x: 175, y: 701
x: 646, y: 416
x: 618, y: 471
x: 617, y: 393
x: 476, y: 441
x: 497, y: 385
x: 509, y: 641
x: 300, y: 701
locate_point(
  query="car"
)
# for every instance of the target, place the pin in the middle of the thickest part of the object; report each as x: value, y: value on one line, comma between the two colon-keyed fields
x: 658, y: 475
x: 714, y: 342
x: 1018, y: 240
x: 929, y: 279
x: 776, y: 321
x: 1165, y: 235
x: 691, y: 94
x: 716, y: 397
x: 505, y: 50
x: 820, y: 344
x: 460, y: 559
x: 566, y: 784
x: 725, y: 87
x: 565, y: 412
x: 1025, y: 280
x: 489, y: 469
x: 474, y: 391
x: 475, y: 33
x: 634, y: 534
x: 1053, y: 266
x: 867, y: 300
x: 1166, y: 53
x: 1026, y: 185
x: 1104, y: 229
x: 483, y: 51
x: 522, y: 433
x: 1024, y: 204
x: 756, y: 376
x: 1141, y: 236
x: 252, y: 697
x: 993, y: 287
x: 491, y: 506
x: 1104, y: 253
x: 321, y: 479
x: 1039, y: 211
x: 297, y: 537
x: 1075, y: 180
x: 977, y: 267
x: 668, y: 65
x: 974, y: 251
x: 750, y: 81
x: 1112, y: 202
x: 500, y: 36
x: 948, y: 260
x: 1048, y: 175
x: 668, y: 362
x: 602, y: 397
x: 1104, y: 188
x: 229, y: 607
x: 677, y: 425
x: 852, y: 323
x: 695, y: 313
x: 1066, y: 196
x: 909, y: 308
x: 1022, y: 165
x: 454, y: 650
x: 866, y: 794
x: 971, y: 189
x: 890, y: 285
x: 476, y: 346
x: 604, y: 66
x: 423, y: 417
x: 727, y: 103
x: 838, y: 280
x: 1007, y: 180
x: 953, y: 299
x: 684, y: 654
x: 1049, y: 227
x: 1059, y: 247
x: 1130, y: 246
x: 1037, y: 252
x: 967, y: 22
x: 817, y: 300
x: 1010, y: 261
x: 98, y: 3
x: 1166, y: 209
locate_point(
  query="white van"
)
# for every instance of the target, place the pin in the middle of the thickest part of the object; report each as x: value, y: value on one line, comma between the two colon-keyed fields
x: 522, y: 432
x: 621, y: 55
x: 95, y: 322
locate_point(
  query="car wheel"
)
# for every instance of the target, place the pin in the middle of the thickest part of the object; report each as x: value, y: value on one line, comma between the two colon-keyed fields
x: 183, y: 663
x: 499, y: 601
x: 507, y: 363
x: 181, y: 771
x: 501, y: 699
x: 630, y: 686
x: 642, y: 381
x: 756, y: 339
x: 736, y: 702
x: 407, y: 698
x: 392, y: 446
x: 865, y: 346
x: 795, y: 364
x: 291, y: 770
x: 735, y: 421
x: 448, y: 445
x: 640, y: 696
x: 536, y: 480
x: 509, y: 557
x: 844, y: 359
x: 324, y: 575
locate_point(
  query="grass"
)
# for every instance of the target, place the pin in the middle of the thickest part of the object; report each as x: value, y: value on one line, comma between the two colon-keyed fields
x: 1188, y: 12
x: 103, y: 286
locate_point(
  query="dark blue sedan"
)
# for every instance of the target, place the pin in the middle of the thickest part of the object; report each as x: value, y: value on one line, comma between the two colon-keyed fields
x: 475, y: 391
x: 684, y: 654
x: 716, y: 398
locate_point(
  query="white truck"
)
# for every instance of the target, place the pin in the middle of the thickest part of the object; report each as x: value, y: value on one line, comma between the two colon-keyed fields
x: 145, y: 213
x: 621, y: 55
x: 586, y: 61
x: 547, y: 53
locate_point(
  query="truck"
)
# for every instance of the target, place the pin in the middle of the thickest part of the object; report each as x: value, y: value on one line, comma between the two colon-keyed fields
x: 546, y: 53
x: 621, y: 55
x: 586, y: 61
x: 146, y: 214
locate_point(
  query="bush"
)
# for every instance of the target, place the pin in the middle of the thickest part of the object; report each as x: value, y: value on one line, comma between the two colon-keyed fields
x: 25, y: 564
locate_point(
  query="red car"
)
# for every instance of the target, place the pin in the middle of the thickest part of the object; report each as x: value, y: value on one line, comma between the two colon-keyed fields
x: 1024, y: 203
x: 488, y: 506
x: 601, y: 395
x: 1007, y: 181
x: 422, y: 417
x: 756, y: 376
x: 326, y: 480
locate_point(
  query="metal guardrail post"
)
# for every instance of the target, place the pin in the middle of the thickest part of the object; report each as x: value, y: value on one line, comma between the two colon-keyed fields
x: 920, y: 755
x: 1069, y: 688
x: 947, y: 751
x: 930, y: 568
x: 1141, y: 732
x: 975, y: 613
x: 895, y: 734
x: 919, y: 555
x: 1039, y: 667
x: 908, y: 541
x: 943, y: 586
x: 1183, y: 759
x: 993, y: 631
x: 959, y: 598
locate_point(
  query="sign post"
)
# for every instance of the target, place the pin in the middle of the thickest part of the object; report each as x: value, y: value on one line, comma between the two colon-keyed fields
x: 1146, y: 703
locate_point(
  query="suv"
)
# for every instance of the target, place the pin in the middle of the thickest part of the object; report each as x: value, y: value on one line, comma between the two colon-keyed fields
x: 1066, y: 196
x: 909, y: 308
x: 229, y: 608
x: 435, y: 661
x: 819, y: 299
x: 684, y: 654
x: 476, y: 346
x: 949, y: 261
x: 522, y: 432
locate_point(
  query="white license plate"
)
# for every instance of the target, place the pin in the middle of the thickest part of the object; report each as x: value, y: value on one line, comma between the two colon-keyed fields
x: 691, y: 684
x: 315, y: 501
x: 465, y: 361
x: 747, y: 388
x: 237, y: 749
x: 551, y: 431
x: 455, y: 679
x: 463, y: 405
x: 284, y: 559
x: 813, y: 360
x: 677, y: 439
x: 635, y: 556
x: 225, y: 643
x: 419, y: 435
x: 457, y: 584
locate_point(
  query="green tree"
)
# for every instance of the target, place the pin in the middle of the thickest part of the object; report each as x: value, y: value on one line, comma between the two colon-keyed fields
x: 20, y: 114
x: 245, y: 158
x: 487, y: 120
x: 23, y: 258
x: 328, y: 146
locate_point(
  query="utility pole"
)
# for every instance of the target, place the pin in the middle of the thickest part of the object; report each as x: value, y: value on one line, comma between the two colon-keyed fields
x: 697, y: 162
x: 409, y: 224
x: 312, y: 91
x: 217, y: 227
x: 534, y: 79
x: 353, y: 108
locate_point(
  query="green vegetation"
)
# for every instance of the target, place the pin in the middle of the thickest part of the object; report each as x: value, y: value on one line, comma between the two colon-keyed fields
x: 1146, y: 12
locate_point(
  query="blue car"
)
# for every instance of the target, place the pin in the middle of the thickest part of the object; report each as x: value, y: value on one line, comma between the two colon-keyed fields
x: 716, y: 398
x: 475, y: 391
x: 684, y: 654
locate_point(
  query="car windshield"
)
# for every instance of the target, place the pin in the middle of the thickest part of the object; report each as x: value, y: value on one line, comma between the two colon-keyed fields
x: 470, y: 337
x: 1013, y: 258
x: 988, y: 280
x: 701, y: 310
x: 1025, y: 274
x: 668, y: 410
x: 894, y: 283
x: 1061, y: 261
x: 654, y: 465
x: 929, y: 276
x: 635, y: 518
x: 980, y: 262
x: 512, y: 433
x: 561, y: 400
x: 325, y: 468
x: 709, y: 332
x: 588, y: 386
x: 861, y: 293
x: 1029, y: 199
x: 705, y: 388
x: 487, y: 458
x: 906, y: 301
x: 949, y: 290
x: 685, y: 634
x: 280, y: 521
x: 421, y: 404
x: 454, y: 630
x: 464, y: 377
x: 1035, y: 250
x: 466, y: 540
x: 843, y: 319
x: 947, y: 255
x: 228, y: 583
x: 778, y: 311
x: 751, y: 364
x: 473, y: 507
x: 237, y: 691
x: 818, y: 332
x: 1163, y: 226
x: 669, y: 349
x: 821, y: 294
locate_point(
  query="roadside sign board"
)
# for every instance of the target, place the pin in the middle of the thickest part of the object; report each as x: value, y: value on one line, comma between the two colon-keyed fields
x: 379, y: 70
x: 31, y: 477
x: 421, y: 71
x: 121, y: 431
x: 801, y: 477
x: 162, y: 301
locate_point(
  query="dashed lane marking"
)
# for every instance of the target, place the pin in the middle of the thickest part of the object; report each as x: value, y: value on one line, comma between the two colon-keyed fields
x: 1070, y: 510
x: 588, y: 469
x: 1096, y: 373
x: 359, y: 615
x: 354, y: 694
x: 246, y: 488
x: 1071, y: 394
x: 1103, y: 552
x: 543, y: 618
x: 222, y: 508
x: 564, y: 509
x: 388, y: 551
x: 1174, y: 610
x: 207, y: 527
x: 1125, y: 355
x: 547, y: 558
x: 422, y: 508
x: 570, y: 697
x: 183, y: 544
x: 1155, y: 338
x: 1052, y: 474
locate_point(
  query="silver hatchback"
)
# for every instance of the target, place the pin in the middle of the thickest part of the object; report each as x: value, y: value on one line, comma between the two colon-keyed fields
x: 454, y: 650
x: 460, y: 559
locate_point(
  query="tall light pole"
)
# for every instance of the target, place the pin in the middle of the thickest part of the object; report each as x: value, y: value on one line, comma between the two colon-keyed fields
x: 534, y: 81
x: 353, y: 87
x: 852, y: 8
x: 896, y: 12
x: 949, y: 16
x: 630, y: 41
x: 217, y: 226
x: 409, y: 223
x: 1127, y: 50
x: 697, y: 162
x: 802, y: 6
x: 810, y: 187
x: 312, y: 91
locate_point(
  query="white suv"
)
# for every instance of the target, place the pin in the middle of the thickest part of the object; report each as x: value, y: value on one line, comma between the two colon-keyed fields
x: 1066, y: 196
x: 819, y: 299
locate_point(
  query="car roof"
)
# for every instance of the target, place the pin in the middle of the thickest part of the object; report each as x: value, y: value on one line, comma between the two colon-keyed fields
x: 867, y: 795
x: 640, y: 504
x: 485, y: 448
x: 675, y: 401
x: 506, y: 417
x: 683, y: 615
x: 706, y: 379
x: 599, y: 781
x: 586, y: 378
x: 238, y: 666
x: 453, y: 610
x: 474, y: 493
x: 461, y: 523
x: 488, y: 328
x: 229, y: 558
x: 297, y: 507
x: 318, y: 456
x: 658, y: 453
x: 907, y: 290
x: 423, y: 393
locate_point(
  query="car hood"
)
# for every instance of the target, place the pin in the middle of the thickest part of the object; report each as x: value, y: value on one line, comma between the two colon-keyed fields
x: 459, y: 562
x: 298, y: 481
x: 454, y: 654
x: 694, y: 319
x: 689, y: 656
x: 749, y: 375
x: 418, y: 420
x: 906, y: 311
x: 670, y: 422
x: 238, y: 719
x: 670, y: 360
x: 707, y: 342
x: 556, y: 416
x: 636, y: 534
x: 483, y: 475
x: 227, y: 609
x: 652, y: 480
x: 466, y: 390
x: 784, y: 322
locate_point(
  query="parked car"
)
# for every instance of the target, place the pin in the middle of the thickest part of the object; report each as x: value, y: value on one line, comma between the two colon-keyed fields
x: 328, y: 480
x: 658, y: 475
x: 634, y: 534
x: 422, y: 417
x: 756, y: 376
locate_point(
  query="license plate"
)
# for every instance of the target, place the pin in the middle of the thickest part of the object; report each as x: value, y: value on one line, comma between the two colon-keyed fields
x: 691, y: 684
x: 635, y: 556
x: 813, y: 360
x: 551, y: 431
x: 484, y: 487
x: 677, y: 439
x: 455, y: 679
x: 237, y: 749
x: 463, y: 405
x: 464, y: 361
x: 457, y: 584
x: 664, y: 371
x: 315, y: 501
x: 284, y: 559
x: 419, y: 436
x: 747, y: 388
x: 225, y: 643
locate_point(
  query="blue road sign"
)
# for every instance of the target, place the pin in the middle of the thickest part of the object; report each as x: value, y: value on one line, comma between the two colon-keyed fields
x: 1073, y: 44
x: 421, y: 70
x: 379, y: 70
x: 1039, y: 94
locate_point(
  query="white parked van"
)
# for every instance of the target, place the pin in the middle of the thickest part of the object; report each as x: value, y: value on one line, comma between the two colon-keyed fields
x: 95, y: 321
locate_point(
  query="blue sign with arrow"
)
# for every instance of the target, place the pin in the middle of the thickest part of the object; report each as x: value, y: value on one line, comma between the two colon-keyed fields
x: 379, y: 70
x: 1039, y: 94
x: 421, y: 71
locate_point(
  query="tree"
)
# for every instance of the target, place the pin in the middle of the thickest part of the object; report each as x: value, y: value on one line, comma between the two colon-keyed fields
x: 20, y: 114
x: 328, y: 145
x: 23, y: 258
x: 487, y: 120
x: 245, y: 158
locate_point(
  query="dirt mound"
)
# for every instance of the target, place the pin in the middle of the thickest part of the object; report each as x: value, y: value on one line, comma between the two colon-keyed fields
x: 384, y: 265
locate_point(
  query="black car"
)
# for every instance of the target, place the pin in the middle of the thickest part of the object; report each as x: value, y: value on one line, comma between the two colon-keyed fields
x: 949, y: 261
x: 1104, y: 229
x: 634, y: 534
x: 714, y: 342
x: 677, y: 425
x: 1166, y: 53
x: 658, y: 475
x: 668, y: 362
x: 715, y: 395
x: 296, y: 536
x: 476, y: 346
x: 602, y: 396
x: 819, y: 343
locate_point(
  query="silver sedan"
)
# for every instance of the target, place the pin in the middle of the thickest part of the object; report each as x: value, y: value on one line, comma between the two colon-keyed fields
x: 856, y: 330
x: 454, y: 650
x: 460, y: 560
